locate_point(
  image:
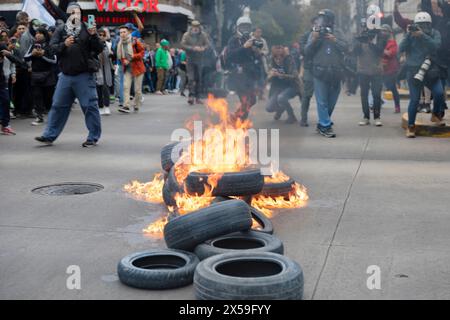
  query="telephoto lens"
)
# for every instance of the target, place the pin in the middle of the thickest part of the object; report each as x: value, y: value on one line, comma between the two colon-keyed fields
x: 420, y: 76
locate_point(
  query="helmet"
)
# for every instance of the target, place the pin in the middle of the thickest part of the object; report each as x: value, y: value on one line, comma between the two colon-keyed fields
x: 245, y: 19
x: 328, y: 14
x: 422, y: 17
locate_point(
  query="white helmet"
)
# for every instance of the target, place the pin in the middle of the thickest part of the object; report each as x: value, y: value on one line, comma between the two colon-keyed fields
x: 422, y: 17
x: 245, y: 19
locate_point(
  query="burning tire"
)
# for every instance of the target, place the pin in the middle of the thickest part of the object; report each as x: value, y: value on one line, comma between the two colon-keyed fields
x: 186, y: 232
x: 282, y: 189
x: 170, y: 189
x: 231, y: 184
x: 242, y: 242
x: 167, y: 154
x: 266, y: 225
x: 158, y: 269
x: 248, y: 276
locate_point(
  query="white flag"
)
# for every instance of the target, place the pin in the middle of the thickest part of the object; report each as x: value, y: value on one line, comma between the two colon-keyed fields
x: 36, y: 10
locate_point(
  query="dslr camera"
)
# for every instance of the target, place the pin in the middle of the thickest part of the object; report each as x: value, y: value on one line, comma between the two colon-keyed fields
x: 414, y: 27
x: 258, y: 44
x: 323, y: 31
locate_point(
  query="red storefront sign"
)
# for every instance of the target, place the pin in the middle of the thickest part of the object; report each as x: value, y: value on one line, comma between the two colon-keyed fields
x: 121, y: 5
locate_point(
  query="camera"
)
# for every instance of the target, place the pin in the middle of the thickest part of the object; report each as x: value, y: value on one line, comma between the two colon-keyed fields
x: 413, y: 27
x: 38, y: 46
x: 323, y: 31
x: 420, y: 76
x: 258, y: 44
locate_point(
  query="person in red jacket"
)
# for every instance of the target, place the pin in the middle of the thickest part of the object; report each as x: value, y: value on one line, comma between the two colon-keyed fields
x: 130, y: 52
x: 391, y: 65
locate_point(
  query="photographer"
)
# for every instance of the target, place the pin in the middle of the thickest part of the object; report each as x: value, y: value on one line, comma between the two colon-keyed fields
x: 421, y: 45
x: 285, y: 84
x: 244, y: 54
x: 326, y: 49
x: 43, y: 78
x: 369, y: 50
x: 76, y: 47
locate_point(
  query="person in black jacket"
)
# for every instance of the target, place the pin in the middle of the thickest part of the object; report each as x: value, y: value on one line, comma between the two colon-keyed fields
x: 244, y: 54
x: 76, y: 48
x: 43, y: 78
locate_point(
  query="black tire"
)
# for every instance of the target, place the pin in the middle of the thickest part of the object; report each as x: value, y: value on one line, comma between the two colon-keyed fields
x: 265, y: 224
x: 158, y: 269
x: 248, y: 276
x: 166, y: 155
x: 283, y: 189
x: 238, y: 242
x: 188, y: 231
x: 170, y: 189
x: 244, y: 183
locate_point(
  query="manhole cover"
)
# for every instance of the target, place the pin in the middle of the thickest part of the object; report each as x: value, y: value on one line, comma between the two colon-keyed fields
x: 68, y: 189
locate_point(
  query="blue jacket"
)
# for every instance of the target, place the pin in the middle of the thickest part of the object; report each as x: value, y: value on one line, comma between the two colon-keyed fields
x: 418, y: 49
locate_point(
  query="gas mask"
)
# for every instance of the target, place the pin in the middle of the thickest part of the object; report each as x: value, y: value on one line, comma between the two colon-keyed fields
x: 426, y: 27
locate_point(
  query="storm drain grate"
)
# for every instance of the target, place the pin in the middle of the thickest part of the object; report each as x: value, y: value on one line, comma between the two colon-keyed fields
x: 68, y: 189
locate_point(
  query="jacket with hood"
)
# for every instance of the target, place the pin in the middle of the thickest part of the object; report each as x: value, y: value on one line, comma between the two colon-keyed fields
x: 162, y: 59
x: 189, y: 41
x: 73, y: 60
x: 390, y: 61
x: 418, y: 49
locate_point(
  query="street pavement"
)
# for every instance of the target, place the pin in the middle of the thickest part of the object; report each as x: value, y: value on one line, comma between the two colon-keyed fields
x: 376, y: 199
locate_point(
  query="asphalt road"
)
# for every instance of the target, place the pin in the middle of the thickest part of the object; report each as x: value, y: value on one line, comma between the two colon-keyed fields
x: 376, y: 198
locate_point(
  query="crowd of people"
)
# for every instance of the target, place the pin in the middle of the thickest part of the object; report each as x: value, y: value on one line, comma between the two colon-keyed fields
x: 44, y: 69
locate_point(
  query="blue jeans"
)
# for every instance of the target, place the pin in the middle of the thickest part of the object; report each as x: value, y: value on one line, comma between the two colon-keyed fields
x: 415, y: 91
x: 326, y: 96
x: 390, y: 81
x: 83, y: 87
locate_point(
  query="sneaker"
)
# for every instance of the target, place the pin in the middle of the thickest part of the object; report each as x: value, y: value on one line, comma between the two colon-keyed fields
x: 378, y: 123
x: 277, y: 115
x: 397, y: 109
x: 427, y: 108
x: 107, y: 111
x: 124, y: 110
x: 304, y: 124
x: 411, y: 132
x: 183, y: 94
x: 198, y: 101
x: 327, y: 132
x: 12, y: 115
x: 44, y: 141
x: 437, y: 120
x: 89, y: 144
x: 37, y: 122
x: 102, y: 111
x: 191, y: 101
x: 8, y: 131
x: 291, y: 120
x: 364, y: 122
x: 158, y: 93
x: 136, y: 110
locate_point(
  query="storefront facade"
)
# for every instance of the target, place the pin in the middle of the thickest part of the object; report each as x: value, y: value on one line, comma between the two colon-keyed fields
x: 167, y: 19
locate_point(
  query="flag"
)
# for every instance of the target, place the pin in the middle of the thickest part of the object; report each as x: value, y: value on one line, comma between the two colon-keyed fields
x: 36, y: 10
x: 54, y: 10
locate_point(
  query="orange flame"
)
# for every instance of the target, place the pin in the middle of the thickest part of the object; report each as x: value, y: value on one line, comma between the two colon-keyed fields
x: 221, y: 149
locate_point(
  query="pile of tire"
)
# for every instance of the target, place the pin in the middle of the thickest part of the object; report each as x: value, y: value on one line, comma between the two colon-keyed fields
x: 215, y: 248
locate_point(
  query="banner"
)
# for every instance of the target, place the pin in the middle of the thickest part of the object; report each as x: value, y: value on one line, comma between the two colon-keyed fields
x: 36, y: 10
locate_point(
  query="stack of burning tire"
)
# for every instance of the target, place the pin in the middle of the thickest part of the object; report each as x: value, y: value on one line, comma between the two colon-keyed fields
x: 218, y: 248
